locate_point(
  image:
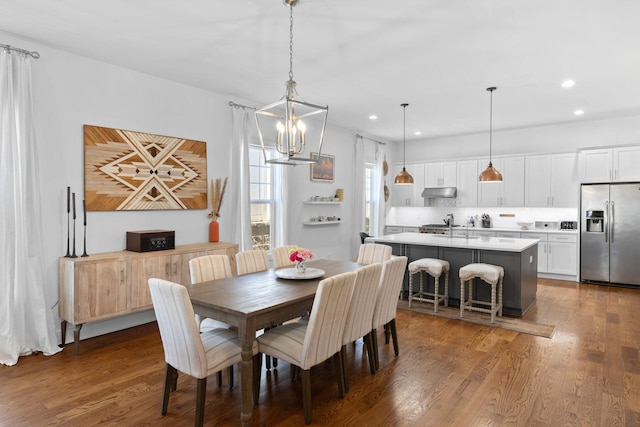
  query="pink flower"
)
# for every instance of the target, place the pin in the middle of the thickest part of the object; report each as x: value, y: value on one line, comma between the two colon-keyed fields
x: 300, y: 254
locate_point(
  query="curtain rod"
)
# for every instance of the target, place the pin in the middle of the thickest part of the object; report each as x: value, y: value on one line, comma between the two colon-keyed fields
x: 34, y: 54
x: 234, y: 105
x: 370, y: 139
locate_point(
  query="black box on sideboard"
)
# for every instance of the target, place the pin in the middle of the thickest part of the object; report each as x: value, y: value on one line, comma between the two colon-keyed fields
x: 151, y: 240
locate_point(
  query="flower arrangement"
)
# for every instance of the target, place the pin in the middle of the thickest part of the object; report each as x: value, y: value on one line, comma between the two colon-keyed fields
x: 300, y: 255
x: 217, y: 194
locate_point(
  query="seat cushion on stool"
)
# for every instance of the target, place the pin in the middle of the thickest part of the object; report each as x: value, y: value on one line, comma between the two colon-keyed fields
x: 433, y: 266
x: 487, y: 272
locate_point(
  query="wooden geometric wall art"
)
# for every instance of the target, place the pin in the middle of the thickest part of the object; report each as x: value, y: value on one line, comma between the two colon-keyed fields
x: 129, y: 171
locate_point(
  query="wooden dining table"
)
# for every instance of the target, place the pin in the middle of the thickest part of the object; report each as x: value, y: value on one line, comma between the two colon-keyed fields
x: 255, y: 301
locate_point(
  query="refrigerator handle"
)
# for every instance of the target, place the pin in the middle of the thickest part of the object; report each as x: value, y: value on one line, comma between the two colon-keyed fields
x: 606, y: 221
x: 611, y: 219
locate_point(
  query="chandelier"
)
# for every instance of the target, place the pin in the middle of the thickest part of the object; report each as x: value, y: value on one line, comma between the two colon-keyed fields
x: 293, y: 122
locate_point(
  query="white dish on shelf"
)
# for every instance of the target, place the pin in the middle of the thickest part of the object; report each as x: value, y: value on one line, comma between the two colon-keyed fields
x: 293, y: 274
x: 524, y: 225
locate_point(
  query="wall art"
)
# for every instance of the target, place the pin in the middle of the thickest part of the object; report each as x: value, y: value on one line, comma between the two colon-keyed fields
x: 128, y: 170
x: 324, y: 170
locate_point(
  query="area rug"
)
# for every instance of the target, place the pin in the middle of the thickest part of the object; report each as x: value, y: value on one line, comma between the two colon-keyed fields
x: 509, y: 323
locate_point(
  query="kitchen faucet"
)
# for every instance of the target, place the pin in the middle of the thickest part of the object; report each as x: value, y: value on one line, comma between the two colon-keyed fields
x: 448, y: 220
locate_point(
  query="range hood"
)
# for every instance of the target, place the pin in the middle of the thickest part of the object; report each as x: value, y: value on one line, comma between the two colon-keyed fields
x: 439, y: 192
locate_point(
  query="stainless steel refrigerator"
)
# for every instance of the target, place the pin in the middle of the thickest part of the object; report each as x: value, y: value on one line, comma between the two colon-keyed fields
x: 610, y: 233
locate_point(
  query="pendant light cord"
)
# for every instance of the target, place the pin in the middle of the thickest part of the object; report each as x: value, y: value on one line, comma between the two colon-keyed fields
x: 404, y: 135
x: 490, y: 89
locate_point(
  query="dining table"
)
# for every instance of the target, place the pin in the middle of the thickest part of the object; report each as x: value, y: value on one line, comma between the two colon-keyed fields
x: 259, y: 300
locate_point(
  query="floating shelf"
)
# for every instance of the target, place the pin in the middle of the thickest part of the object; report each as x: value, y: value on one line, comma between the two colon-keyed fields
x: 308, y: 202
x: 321, y: 223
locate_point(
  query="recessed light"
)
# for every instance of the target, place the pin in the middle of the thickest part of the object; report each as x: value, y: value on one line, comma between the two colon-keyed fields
x: 373, y: 117
x: 568, y: 83
x: 578, y: 112
x: 417, y: 132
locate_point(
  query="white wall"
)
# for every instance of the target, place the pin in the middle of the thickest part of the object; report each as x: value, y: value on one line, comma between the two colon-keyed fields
x: 70, y: 91
x: 559, y: 138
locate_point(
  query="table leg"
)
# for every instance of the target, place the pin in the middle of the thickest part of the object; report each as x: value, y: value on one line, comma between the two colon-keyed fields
x: 247, y: 333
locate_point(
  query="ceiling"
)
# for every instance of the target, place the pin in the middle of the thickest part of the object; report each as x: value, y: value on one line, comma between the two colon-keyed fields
x: 364, y: 57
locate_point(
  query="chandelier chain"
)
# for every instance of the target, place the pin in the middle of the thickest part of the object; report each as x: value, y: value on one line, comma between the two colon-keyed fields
x: 291, y: 41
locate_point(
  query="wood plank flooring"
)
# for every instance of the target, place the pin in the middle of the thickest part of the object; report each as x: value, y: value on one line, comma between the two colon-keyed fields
x: 449, y: 373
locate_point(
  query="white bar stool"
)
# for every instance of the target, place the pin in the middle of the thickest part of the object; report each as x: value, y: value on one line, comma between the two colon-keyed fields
x: 491, y: 274
x: 434, y: 267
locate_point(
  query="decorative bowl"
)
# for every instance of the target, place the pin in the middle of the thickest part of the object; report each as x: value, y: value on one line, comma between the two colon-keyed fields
x: 524, y: 225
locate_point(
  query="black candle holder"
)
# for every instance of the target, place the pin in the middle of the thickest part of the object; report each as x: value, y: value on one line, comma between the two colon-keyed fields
x: 68, y: 231
x: 73, y: 254
x: 68, y: 218
x: 84, y: 252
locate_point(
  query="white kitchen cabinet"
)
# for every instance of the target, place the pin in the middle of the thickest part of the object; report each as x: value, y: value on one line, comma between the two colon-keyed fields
x: 410, y: 229
x: 551, y: 180
x: 616, y: 164
x: 467, y: 183
x: 563, y: 254
x: 440, y: 174
x: 509, y: 234
x: 408, y: 195
x: 392, y: 229
x: 482, y: 233
x: 509, y: 192
x: 543, y: 250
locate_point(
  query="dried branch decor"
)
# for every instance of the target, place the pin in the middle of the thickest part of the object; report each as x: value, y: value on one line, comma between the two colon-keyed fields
x: 217, y: 194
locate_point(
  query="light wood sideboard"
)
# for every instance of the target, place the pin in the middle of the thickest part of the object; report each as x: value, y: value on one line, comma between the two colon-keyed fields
x: 111, y: 284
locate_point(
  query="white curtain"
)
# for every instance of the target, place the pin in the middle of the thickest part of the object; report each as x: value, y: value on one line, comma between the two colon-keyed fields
x: 279, y: 229
x: 240, y: 198
x: 26, y: 322
x: 359, y: 199
x: 378, y: 203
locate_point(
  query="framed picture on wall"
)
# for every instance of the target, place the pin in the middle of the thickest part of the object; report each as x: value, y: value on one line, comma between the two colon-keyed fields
x: 324, y: 170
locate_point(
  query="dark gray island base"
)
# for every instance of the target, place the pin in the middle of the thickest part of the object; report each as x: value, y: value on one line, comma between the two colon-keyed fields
x: 518, y: 257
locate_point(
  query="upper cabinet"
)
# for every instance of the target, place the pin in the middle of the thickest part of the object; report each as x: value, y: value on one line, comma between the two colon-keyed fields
x: 408, y: 195
x: 551, y: 180
x: 440, y: 174
x: 467, y: 183
x: 610, y: 164
x: 509, y: 192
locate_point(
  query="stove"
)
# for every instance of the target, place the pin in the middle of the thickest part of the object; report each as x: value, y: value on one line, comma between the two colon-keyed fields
x: 435, y: 228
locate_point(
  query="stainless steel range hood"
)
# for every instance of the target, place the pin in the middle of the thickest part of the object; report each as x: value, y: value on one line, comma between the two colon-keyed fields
x: 439, y: 192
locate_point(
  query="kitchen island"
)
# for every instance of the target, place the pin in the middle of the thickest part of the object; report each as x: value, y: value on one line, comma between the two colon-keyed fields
x: 518, y: 257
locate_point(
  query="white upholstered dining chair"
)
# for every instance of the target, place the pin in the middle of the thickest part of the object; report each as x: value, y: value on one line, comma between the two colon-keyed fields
x: 384, y: 313
x: 370, y: 253
x: 203, y: 269
x: 360, y: 314
x: 185, y: 348
x: 248, y: 262
x: 281, y: 256
x: 308, y: 344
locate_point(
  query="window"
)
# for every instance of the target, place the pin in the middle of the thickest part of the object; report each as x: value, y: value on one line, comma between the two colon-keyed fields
x: 261, y: 194
x: 369, y: 200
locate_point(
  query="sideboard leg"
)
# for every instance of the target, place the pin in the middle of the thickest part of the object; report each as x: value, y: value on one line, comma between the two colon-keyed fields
x: 63, y: 333
x: 76, y: 338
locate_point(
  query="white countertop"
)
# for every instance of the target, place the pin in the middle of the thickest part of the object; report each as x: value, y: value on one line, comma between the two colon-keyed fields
x: 515, y: 230
x: 483, y: 243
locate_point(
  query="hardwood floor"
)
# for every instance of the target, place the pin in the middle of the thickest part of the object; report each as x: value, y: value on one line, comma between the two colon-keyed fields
x: 449, y: 373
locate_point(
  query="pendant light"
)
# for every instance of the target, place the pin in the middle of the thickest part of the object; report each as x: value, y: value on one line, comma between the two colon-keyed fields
x: 293, y: 122
x: 404, y: 177
x: 490, y: 174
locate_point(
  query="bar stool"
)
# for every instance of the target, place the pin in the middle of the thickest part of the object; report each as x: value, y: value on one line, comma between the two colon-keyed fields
x: 491, y: 274
x: 434, y: 267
